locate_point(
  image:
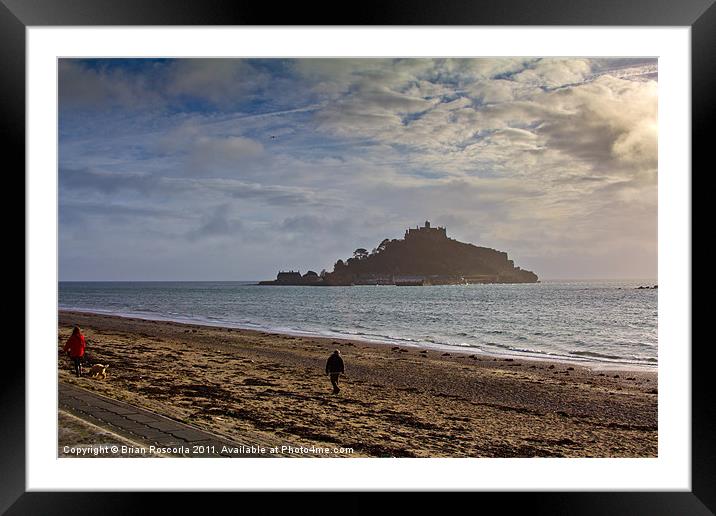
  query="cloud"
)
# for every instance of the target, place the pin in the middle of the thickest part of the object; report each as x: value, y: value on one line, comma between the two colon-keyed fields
x: 101, y: 87
x: 553, y: 73
x: 113, y: 83
x: 220, y: 222
x: 209, y: 155
x: 107, y: 183
x: 466, y: 70
x: 198, y: 189
x: 605, y: 122
x: 308, y: 159
x: 494, y: 91
x: 314, y: 227
x: 229, y: 148
x: 219, y: 81
x: 73, y: 210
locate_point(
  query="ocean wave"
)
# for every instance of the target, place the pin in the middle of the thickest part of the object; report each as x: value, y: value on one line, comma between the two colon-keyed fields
x: 594, y: 354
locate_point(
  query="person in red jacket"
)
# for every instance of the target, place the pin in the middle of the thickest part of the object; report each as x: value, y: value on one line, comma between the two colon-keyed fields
x: 75, y: 347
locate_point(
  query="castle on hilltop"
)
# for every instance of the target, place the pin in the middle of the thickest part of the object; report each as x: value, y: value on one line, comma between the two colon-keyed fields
x: 426, y: 232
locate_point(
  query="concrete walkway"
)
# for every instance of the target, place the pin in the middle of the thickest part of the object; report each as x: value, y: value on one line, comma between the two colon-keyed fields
x: 150, y: 428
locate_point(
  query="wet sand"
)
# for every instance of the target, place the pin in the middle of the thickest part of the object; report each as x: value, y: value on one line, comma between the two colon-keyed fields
x: 395, y: 401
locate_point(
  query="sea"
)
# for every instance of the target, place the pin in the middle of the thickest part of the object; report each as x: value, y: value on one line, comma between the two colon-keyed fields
x: 609, y: 324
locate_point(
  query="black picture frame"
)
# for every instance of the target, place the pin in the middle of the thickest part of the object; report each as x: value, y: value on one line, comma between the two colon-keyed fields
x: 700, y: 15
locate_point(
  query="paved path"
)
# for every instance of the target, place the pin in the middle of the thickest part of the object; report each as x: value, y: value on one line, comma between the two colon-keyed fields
x: 151, y: 428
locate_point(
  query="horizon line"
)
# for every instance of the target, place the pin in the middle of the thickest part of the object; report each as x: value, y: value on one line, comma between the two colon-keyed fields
x: 256, y: 280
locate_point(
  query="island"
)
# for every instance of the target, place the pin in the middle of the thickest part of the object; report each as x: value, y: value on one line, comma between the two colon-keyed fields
x: 425, y: 256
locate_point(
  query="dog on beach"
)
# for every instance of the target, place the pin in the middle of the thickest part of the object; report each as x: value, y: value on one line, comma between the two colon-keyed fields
x: 98, y: 371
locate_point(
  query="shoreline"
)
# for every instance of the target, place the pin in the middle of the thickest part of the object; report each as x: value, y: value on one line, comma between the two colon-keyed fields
x: 395, y: 401
x: 595, y: 365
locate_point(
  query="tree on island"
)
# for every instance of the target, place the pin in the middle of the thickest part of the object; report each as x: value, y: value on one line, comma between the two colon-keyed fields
x: 360, y: 254
x: 381, y: 247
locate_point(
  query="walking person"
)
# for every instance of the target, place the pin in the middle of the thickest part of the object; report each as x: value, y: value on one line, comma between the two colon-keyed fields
x: 334, y: 368
x: 75, y: 347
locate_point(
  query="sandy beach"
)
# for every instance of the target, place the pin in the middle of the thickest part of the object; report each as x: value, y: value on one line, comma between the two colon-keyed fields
x: 395, y: 401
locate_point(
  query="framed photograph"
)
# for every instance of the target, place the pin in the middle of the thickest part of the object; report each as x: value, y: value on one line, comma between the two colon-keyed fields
x: 422, y: 252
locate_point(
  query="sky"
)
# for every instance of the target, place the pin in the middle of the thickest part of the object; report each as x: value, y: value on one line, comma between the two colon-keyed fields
x: 233, y: 169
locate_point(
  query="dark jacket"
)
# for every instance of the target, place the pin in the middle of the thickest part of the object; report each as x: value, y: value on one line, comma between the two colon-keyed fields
x: 334, y: 364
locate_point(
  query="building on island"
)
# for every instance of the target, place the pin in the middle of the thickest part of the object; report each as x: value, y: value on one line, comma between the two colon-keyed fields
x: 426, y: 232
x: 288, y: 276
